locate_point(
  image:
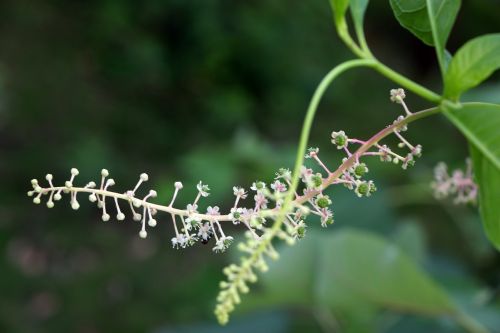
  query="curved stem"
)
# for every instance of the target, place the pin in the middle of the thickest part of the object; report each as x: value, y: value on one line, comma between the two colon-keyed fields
x: 407, y: 83
x: 306, y: 128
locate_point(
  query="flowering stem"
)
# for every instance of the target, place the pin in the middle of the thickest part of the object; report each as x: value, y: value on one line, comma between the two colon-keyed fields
x: 306, y: 129
x: 366, y: 146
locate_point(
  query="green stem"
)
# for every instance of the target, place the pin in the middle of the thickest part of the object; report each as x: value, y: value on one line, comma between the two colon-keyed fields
x: 306, y: 127
x: 407, y: 83
x: 343, y: 32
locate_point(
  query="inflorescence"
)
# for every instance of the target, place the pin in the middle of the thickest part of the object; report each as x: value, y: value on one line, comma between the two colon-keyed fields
x: 191, y: 226
x: 459, y: 184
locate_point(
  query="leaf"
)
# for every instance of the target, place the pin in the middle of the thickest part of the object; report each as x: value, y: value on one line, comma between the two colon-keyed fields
x: 334, y: 269
x: 488, y: 178
x: 414, y: 16
x: 442, y: 15
x: 480, y: 123
x: 394, y: 280
x: 358, y: 9
x: 474, y: 62
x: 339, y: 8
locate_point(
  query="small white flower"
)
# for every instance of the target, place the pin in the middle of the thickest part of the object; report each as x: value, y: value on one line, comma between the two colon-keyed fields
x: 236, y: 215
x: 192, y: 221
x: 192, y: 208
x: 400, y: 128
x: 385, y: 153
x: 340, y: 139
x: 205, y: 231
x: 203, y: 189
x: 278, y: 186
x: 397, y: 95
x: 311, y: 152
x: 305, y: 174
x: 222, y: 244
x: 326, y: 217
x: 260, y: 200
x: 213, y: 210
x: 258, y: 186
x: 239, y: 192
x: 179, y: 241
x: 285, y: 174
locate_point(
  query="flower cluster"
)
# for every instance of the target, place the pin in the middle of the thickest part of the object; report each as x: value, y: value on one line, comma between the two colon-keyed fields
x: 189, y: 224
x: 459, y: 184
x: 282, y: 200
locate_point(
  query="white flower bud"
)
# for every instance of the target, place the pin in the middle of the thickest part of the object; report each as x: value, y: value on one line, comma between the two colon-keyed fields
x: 136, y: 202
x: 68, y: 184
x: 137, y: 217
x: 105, y: 217
x: 50, y: 204
x: 74, y: 171
x: 57, y: 196
x: 92, y: 197
x: 143, y: 234
x: 178, y: 185
x: 120, y: 217
x: 38, y: 189
x: 144, y: 177
x: 48, y: 177
x: 104, y: 172
x: 75, y: 205
x: 152, y: 223
x: 36, y: 200
x: 110, y: 182
x: 152, y: 193
x: 34, y: 182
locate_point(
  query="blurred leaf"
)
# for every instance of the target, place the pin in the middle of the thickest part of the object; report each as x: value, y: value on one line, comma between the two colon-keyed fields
x: 410, y: 238
x: 395, y: 281
x: 414, y: 16
x: 276, y: 322
x: 479, y: 122
x: 333, y: 271
x: 488, y: 179
x: 474, y: 62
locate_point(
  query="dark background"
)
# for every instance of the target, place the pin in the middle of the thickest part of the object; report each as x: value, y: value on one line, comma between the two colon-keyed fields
x: 201, y: 90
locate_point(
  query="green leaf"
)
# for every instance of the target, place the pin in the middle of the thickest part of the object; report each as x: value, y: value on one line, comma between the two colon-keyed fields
x: 480, y: 123
x: 333, y: 271
x: 395, y: 281
x: 442, y: 15
x: 339, y: 8
x: 414, y: 16
x: 358, y: 9
x: 488, y: 178
x: 474, y: 62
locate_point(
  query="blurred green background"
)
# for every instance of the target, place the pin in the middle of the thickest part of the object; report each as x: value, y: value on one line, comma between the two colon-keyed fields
x: 216, y: 91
